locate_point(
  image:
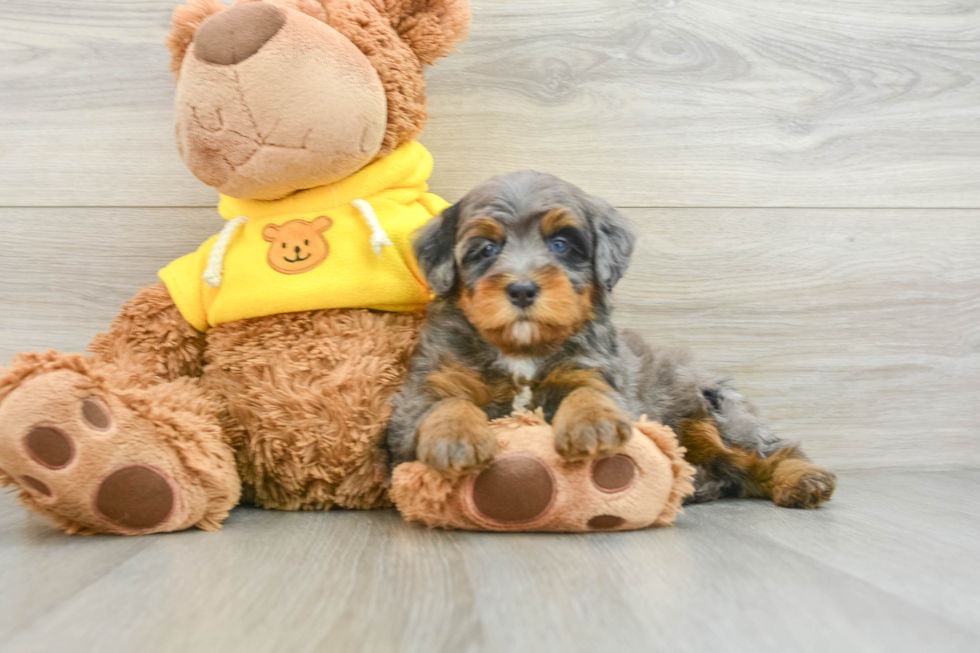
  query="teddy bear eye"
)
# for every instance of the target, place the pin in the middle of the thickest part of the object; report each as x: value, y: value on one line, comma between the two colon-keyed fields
x: 306, y: 242
x: 284, y: 245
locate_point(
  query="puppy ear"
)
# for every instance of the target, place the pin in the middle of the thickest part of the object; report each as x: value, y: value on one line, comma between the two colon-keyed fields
x: 615, y: 238
x: 430, y: 27
x: 434, y: 245
x: 187, y: 18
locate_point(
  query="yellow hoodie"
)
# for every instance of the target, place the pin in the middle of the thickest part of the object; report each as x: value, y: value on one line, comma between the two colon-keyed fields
x: 346, y: 245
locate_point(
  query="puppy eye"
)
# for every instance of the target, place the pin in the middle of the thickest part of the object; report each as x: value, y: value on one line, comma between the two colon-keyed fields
x: 284, y: 245
x: 306, y: 242
x: 558, y: 245
x: 489, y: 250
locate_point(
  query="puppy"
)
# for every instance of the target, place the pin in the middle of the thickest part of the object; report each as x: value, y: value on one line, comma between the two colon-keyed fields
x: 523, y: 268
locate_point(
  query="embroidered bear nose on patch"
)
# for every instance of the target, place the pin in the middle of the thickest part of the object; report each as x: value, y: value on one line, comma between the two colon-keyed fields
x: 613, y: 474
x: 233, y: 35
x: 136, y: 497
x: 514, y: 489
x: 49, y: 446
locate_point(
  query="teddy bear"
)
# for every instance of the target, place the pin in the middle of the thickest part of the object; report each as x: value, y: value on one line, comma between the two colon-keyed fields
x: 528, y: 486
x: 261, y: 366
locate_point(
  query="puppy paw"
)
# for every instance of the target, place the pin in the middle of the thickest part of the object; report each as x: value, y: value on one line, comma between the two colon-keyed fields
x: 807, y: 487
x: 589, y: 424
x: 455, y: 439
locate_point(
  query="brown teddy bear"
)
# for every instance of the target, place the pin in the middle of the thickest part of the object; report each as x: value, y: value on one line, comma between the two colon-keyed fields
x: 262, y: 367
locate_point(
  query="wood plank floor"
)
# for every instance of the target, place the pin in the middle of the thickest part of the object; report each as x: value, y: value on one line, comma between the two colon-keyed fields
x: 889, y: 565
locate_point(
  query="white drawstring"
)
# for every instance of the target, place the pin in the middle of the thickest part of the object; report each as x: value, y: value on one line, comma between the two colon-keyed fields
x: 216, y: 261
x: 379, y: 238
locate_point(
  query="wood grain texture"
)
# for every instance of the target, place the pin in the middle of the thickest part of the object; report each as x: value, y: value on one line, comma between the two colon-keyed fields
x: 648, y: 102
x: 857, y: 332
x: 887, y: 566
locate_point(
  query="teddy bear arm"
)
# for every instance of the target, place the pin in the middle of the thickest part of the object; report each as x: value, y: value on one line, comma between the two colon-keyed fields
x: 151, y: 339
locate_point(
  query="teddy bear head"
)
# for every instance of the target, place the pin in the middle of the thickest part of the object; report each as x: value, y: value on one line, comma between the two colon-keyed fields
x: 276, y: 96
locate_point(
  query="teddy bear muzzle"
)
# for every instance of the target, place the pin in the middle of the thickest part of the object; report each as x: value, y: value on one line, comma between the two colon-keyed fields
x: 273, y: 100
x: 232, y: 36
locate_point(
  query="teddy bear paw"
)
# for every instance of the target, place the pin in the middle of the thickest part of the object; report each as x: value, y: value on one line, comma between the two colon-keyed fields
x: 85, y: 459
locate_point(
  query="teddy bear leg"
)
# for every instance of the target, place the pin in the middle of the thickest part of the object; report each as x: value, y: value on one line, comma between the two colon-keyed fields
x: 308, y: 398
x: 117, y: 448
x: 151, y: 340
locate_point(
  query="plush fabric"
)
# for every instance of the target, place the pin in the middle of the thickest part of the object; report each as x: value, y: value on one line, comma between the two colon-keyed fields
x: 307, y: 109
x: 170, y: 428
x: 530, y: 487
x: 283, y: 260
x: 243, y: 391
x: 351, y: 68
x: 307, y: 400
x: 186, y: 19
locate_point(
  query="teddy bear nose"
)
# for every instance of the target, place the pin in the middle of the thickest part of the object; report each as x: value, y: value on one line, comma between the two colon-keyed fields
x: 233, y: 35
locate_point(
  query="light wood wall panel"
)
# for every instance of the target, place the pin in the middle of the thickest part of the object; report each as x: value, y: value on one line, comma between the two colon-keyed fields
x: 648, y: 102
x: 856, y: 331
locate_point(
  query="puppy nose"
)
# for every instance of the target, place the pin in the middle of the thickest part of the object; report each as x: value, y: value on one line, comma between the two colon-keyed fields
x: 297, y: 249
x: 523, y: 293
x: 233, y: 35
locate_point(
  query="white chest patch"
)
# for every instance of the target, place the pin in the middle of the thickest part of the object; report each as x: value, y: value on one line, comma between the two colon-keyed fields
x: 522, y: 401
x: 522, y: 371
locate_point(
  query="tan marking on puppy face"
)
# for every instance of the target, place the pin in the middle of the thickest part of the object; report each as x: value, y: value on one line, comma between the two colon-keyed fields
x: 297, y: 246
x: 557, y: 314
x: 479, y: 229
x: 557, y: 219
x: 482, y: 228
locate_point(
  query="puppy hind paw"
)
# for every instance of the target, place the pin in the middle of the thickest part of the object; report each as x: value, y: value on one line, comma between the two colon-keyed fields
x: 807, y: 489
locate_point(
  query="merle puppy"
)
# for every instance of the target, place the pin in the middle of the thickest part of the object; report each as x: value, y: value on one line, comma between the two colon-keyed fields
x: 523, y: 267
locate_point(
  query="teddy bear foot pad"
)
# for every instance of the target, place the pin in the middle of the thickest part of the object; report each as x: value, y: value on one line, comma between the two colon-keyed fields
x: 85, y: 459
x: 529, y: 487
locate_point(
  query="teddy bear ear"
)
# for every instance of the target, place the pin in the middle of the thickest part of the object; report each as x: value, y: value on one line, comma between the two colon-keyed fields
x: 323, y: 223
x: 430, y: 27
x: 270, y: 233
x: 186, y: 19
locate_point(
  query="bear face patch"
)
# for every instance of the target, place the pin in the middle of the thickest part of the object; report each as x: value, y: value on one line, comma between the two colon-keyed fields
x: 298, y: 246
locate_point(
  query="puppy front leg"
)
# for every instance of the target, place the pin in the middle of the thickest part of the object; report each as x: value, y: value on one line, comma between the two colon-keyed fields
x: 588, y: 423
x: 454, y: 438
